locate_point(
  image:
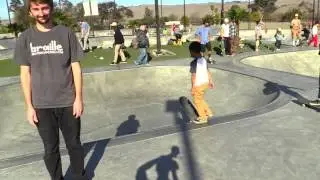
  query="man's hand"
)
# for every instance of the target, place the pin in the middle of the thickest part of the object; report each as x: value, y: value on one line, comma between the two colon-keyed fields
x: 77, y: 108
x: 193, y: 91
x: 32, y: 116
x: 211, y: 85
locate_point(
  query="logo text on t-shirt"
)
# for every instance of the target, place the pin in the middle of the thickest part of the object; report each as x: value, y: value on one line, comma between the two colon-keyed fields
x: 50, y: 48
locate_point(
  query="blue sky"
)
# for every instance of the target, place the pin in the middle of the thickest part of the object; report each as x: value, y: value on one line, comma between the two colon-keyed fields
x: 4, y: 13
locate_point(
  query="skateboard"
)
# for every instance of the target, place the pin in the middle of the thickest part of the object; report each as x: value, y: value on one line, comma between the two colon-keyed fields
x: 306, y: 103
x: 188, y: 108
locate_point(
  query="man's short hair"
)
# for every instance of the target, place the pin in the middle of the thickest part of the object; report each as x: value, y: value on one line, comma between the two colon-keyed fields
x: 195, y: 47
x: 49, y: 2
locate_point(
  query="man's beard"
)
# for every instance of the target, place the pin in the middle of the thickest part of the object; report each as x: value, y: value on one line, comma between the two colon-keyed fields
x: 43, y: 22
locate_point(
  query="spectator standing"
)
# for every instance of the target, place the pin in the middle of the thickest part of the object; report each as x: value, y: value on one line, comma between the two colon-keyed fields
x: 118, y: 45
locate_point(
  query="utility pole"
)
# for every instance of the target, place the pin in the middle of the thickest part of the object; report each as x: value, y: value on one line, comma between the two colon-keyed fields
x: 156, y: 4
x: 222, y: 11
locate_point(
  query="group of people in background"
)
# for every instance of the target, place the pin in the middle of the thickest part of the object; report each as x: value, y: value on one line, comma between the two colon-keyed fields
x: 310, y: 34
x: 141, y: 42
x: 228, y: 36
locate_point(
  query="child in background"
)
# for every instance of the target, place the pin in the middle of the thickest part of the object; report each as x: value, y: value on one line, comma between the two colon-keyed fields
x: 314, y: 39
x: 279, y: 37
x: 201, y: 81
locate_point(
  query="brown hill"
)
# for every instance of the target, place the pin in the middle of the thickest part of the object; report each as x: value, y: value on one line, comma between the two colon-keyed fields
x: 191, y: 9
x: 201, y: 10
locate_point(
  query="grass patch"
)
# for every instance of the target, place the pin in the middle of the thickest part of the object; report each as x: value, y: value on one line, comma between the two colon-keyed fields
x: 92, y: 59
x: 251, y: 45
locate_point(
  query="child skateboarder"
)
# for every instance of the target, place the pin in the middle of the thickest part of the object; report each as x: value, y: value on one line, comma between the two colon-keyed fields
x: 279, y: 37
x: 201, y: 81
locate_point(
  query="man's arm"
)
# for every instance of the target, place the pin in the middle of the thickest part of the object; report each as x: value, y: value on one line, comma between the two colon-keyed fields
x: 198, y: 35
x: 25, y: 78
x: 77, y: 77
x: 174, y: 175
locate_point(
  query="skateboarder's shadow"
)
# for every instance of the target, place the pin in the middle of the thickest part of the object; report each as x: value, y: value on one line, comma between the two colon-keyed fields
x: 163, y: 164
x: 98, y: 148
x: 174, y: 107
x: 271, y: 88
x: 129, y: 126
x: 274, y: 87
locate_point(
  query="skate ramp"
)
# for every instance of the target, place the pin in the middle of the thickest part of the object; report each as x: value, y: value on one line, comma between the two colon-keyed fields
x: 131, y: 101
x: 306, y: 63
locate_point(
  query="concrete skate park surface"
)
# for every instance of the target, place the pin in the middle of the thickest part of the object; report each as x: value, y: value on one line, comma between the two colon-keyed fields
x: 258, y: 133
x: 305, y: 63
x: 150, y: 94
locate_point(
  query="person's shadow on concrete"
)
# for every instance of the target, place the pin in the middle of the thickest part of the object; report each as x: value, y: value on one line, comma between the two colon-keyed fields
x: 270, y: 88
x: 164, y: 164
x: 129, y: 126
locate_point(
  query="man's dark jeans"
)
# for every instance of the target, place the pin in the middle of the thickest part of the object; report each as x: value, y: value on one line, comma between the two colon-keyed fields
x: 50, y: 121
x: 278, y: 44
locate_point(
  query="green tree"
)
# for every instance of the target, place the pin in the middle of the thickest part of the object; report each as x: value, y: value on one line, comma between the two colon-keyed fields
x: 264, y: 5
x: 134, y: 23
x: 208, y: 18
x: 185, y: 20
x: 15, y: 5
x: 148, y: 12
x: 173, y: 17
x: 148, y: 17
x: 255, y: 16
x: 65, y: 6
x: 109, y: 11
x: 195, y: 19
x: 288, y: 16
x: 163, y: 20
x: 64, y: 18
x: 215, y: 14
x: 238, y: 14
x: 78, y: 11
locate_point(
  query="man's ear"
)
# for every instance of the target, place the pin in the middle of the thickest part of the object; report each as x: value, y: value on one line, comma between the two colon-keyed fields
x: 30, y: 14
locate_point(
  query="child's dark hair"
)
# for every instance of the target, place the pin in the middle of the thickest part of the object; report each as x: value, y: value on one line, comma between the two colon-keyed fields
x: 195, y: 47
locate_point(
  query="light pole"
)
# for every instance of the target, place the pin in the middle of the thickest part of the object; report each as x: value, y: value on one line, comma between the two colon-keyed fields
x: 249, y: 18
x: 318, y: 10
x: 8, y: 12
x: 161, y: 8
x: 184, y: 15
x: 114, y: 10
x: 222, y: 11
x: 156, y: 4
x: 313, y: 12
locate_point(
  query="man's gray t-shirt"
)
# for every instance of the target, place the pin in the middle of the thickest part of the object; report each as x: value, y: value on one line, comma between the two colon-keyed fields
x: 49, y: 55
